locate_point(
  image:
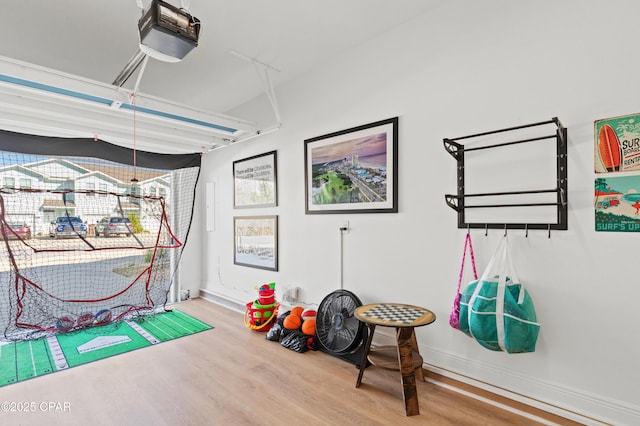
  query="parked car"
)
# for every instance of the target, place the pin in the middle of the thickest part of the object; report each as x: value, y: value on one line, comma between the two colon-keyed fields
x: 109, y: 226
x: 20, y: 230
x: 67, y: 226
x: 607, y: 202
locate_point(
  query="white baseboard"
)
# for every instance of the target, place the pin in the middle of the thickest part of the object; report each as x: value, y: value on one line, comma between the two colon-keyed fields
x: 574, y: 404
x: 227, y: 302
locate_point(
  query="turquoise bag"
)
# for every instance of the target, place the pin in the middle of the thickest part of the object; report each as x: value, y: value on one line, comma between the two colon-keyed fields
x: 496, y: 310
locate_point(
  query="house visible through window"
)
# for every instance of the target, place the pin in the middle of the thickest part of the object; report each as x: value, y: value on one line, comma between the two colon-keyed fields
x: 90, y: 186
x: 69, y: 184
x: 8, y: 182
x: 25, y: 183
x: 102, y: 187
x: 135, y: 190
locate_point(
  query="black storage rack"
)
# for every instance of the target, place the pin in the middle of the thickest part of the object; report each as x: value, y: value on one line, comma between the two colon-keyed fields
x: 458, y: 201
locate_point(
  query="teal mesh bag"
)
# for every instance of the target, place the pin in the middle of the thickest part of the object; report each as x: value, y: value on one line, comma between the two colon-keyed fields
x: 497, y: 311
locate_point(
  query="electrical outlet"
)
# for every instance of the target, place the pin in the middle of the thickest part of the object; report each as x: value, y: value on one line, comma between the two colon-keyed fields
x: 292, y: 294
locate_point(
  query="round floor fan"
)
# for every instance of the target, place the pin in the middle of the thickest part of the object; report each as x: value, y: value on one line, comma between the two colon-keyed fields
x: 338, y: 331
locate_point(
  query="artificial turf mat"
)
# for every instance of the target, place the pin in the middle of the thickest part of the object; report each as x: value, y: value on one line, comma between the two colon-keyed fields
x: 32, y: 358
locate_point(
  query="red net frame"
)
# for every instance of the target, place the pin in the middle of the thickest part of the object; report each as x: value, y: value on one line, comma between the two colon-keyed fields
x: 50, y: 284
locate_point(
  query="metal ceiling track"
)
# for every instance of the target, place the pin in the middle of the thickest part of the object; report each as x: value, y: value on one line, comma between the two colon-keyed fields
x: 46, y: 102
x: 263, y: 72
x: 139, y: 60
x: 130, y: 68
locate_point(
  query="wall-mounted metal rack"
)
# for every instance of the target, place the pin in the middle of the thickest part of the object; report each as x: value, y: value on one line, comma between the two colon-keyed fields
x: 460, y: 203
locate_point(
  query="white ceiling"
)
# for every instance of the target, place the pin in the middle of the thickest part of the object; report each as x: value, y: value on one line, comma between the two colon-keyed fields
x: 96, y: 39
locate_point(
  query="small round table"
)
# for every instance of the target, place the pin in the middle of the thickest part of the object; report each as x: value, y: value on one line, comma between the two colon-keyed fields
x: 404, y: 318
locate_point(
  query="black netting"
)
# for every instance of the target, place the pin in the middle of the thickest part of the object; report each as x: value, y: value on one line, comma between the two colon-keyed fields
x: 86, y: 241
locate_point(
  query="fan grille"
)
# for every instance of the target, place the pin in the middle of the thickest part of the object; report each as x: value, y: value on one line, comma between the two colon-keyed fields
x: 337, y: 329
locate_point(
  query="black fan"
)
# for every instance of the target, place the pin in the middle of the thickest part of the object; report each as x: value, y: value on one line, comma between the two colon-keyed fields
x: 338, y: 331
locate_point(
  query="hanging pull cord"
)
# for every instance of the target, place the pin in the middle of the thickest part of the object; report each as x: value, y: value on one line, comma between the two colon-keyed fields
x: 133, y: 102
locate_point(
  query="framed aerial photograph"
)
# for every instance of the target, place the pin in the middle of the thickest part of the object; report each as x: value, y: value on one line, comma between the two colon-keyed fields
x: 255, y: 181
x: 256, y: 241
x: 353, y: 170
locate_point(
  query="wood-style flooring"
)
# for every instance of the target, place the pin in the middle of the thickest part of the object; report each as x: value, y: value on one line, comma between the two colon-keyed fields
x: 231, y: 375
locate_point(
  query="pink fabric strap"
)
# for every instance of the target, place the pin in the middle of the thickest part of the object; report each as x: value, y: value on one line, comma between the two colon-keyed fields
x: 467, y: 243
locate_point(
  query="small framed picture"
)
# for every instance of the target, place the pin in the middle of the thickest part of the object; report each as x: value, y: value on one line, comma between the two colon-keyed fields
x: 256, y: 242
x: 255, y: 181
x: 353, y: 170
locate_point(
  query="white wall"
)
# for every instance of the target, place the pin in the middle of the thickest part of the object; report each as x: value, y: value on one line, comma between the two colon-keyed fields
x: 464, y: 68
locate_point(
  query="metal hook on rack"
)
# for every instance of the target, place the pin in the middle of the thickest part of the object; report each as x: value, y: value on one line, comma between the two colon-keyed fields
x: 486, y: 229
x: 505, y: 229
x: 549, y: 229
x: 468, y: 228
x: 526, y: 230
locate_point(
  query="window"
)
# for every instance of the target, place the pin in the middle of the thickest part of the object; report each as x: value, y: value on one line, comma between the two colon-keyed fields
x: 25, y: 183
x: 69, y: 184
x: 163, y: 192
x: 135, y: 190
x: 102, y: 187
x: 152, y: 191
x: 8, y: 182
x: 90, y: 186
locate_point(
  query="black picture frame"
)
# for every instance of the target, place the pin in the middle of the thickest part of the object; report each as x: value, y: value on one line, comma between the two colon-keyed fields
x: 255, y: 181
x: 353, y: 170
x: 255, y: 241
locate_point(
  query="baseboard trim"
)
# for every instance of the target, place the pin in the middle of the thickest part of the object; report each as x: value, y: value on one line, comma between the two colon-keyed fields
x: 522, y: 405
x: 227, y: 302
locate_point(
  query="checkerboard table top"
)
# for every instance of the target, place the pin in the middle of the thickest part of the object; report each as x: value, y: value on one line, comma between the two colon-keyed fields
x: 394, y: 315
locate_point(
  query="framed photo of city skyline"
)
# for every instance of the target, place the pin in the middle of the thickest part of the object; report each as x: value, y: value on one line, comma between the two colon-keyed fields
x: 353, y: 170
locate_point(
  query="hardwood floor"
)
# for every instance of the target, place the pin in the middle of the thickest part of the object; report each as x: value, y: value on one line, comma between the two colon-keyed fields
x: 231, y: 375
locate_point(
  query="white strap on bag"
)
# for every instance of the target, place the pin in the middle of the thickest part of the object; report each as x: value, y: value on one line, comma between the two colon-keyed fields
x: 505, y: 269
x: 502, y: 285
x: 501, y: 265
x: 515, y: 280
x: 484, y: 278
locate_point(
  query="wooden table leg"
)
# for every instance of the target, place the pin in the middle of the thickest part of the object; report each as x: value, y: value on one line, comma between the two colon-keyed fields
x: 414, y: 345
x: 405, y: 356
x: 365, y: 353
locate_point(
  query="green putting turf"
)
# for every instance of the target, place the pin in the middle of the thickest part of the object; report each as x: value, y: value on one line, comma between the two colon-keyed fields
x: 32, y: 358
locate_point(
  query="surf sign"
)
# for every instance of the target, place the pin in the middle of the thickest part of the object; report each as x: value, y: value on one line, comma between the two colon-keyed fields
x: 617, y: 144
